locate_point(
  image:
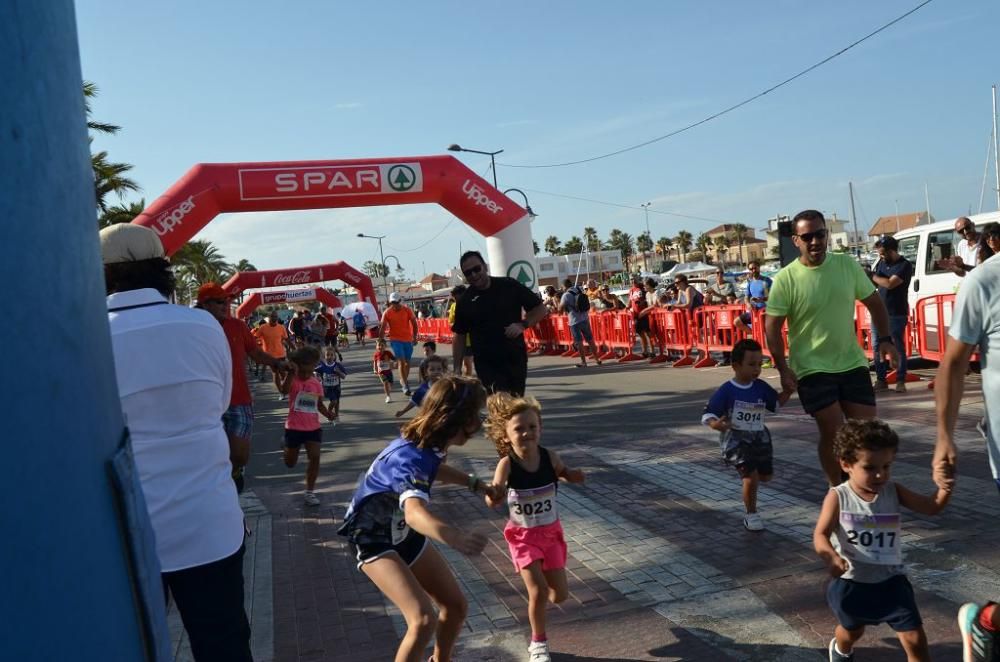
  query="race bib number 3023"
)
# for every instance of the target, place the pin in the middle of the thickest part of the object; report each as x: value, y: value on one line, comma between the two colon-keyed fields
x: 533, y: 507
x: 872, y: 538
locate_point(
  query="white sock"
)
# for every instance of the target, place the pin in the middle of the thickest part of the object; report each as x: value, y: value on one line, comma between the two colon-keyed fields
x: 838, y: 651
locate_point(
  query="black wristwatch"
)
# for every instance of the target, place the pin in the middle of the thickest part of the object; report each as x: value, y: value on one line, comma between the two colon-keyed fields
x: 888, y: 339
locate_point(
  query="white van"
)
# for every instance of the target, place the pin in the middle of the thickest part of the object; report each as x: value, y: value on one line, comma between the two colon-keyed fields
x: 925, y: 246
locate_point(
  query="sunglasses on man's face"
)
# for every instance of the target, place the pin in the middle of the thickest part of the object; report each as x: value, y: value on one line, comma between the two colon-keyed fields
x: 965, y: 229
x: 809, y: 236
x: 472, y: 271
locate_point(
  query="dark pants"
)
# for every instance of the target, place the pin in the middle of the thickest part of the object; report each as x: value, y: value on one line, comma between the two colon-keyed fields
x: 210, y: 601
x: 499, y: 373
x: 897, y: 329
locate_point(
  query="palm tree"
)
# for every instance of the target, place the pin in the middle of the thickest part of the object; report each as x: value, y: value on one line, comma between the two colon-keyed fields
x: 721, y: 246
x: 591, y: 239
x: 740, y: 232
x: 121, y: 213
x: 573, y: 246
x: 552, y: 245
x: 535, y: 247
x: 196, y: 263
x: 663, y: 246
x: 623, y: 243
x: 683, y: 242
x: 109, y: 177
x: 244, y: 265
x: 644, y: 244
x: 703, y: 243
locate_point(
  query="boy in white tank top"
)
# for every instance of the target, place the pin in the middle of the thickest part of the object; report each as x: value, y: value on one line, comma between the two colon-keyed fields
x: 862, y: 514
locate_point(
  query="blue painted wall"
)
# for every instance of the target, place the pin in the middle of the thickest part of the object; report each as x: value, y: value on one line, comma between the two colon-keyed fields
x: 65, y: 592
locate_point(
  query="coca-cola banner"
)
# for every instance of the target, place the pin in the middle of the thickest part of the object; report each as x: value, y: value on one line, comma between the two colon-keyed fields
x: 304, y: 276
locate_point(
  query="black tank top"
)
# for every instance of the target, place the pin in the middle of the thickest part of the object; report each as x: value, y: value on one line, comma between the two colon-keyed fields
x: 521, y: 479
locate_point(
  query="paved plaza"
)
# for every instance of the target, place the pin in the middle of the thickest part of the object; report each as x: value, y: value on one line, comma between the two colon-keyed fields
x: 660, y: 566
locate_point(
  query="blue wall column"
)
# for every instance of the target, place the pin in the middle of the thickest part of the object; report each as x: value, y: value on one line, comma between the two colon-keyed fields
x: 68, y: 590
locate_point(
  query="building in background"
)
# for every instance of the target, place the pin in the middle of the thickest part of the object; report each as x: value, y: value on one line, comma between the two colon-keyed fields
x: 896, y: 222
x: 752, y: 249
x: 842, y: 236
x: 552, y: 269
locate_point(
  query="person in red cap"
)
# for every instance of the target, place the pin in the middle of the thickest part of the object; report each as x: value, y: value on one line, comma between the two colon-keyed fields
x: 238, y: 419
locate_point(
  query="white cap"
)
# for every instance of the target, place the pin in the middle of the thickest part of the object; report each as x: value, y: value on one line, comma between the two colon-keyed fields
x: 394, y: 297
x: 128, y: 242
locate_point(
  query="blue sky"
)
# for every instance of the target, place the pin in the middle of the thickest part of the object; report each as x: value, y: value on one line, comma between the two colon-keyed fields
x: 550, y: 82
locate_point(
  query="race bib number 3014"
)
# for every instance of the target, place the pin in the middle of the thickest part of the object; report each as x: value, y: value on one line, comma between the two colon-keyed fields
x: 748, y: 416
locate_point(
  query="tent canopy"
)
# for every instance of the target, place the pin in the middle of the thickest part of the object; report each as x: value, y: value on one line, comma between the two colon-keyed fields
x: 688, y: 269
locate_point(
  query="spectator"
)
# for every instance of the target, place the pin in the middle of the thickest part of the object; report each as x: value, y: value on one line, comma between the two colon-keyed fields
x: 297, y: 327
x: 359, y: 326
x: 330, y: 338
x: 758, y: 287
x: 611, y: 302
x: 892, y: 276
x: 969, y: 249
x: 720, y: 290
x: 688, y: 298
x: 318, y: 328
x: 552, y: 299
x: 491, y: 311
x: 594, y: 293
x: 174, y: 374
x: 637, y: 303
x: 579, y: 321
x: 816, y: 295
x: 238, y: 419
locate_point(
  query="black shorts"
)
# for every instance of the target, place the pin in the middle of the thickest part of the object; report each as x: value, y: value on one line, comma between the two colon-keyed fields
x: 822, y: 389
x: 642, y: 324
x: 749, y: 457
x: 409, y: 550
x: 498, y: 374
x: 295, y: 438
x: 856, y: 604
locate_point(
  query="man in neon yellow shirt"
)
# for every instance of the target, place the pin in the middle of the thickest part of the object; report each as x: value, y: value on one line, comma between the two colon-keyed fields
x: 816, y: 295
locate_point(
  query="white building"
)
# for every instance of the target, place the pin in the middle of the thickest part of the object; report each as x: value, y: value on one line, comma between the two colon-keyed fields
x: 552, y: 269
x: 842, y: 236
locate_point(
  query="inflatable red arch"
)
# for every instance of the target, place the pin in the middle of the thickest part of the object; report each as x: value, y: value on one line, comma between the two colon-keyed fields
x: 245, y: 280
x: 258, y: 299
x: 209, y: 189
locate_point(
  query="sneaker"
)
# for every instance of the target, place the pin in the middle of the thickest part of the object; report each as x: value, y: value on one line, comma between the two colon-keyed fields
x: 538, y: 651
x: 981, y: 426
x: 837, y: 656
x: 388, y: 399
x: 311, y: 499
x: 766, y: 363
x: 406, y: 390
x: 753, y: 522
x: 880, y: 386
x: 978, y: 644
x: 900, y: 387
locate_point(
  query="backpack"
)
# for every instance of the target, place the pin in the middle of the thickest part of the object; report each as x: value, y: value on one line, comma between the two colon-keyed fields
x: 581, y: 302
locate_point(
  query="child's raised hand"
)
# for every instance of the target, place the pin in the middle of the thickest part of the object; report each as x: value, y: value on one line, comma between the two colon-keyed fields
x: 494, y: 494
x: 574, y: 476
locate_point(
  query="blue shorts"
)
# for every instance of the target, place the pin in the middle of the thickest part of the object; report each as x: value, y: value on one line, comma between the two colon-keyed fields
x: 402, y: 350
x: 856, y: 604
x: 581, y: 331
x: 238, y: 421
x: 332, y: 393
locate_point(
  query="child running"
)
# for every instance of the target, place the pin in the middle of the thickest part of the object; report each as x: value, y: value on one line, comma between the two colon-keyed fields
x: 382, y: 363
x: 431, y: 370
x: 529, y: 476
x: 736, y: 411
x: 869, y: 585
x: 331, y: 370
x: 305, y: 404
x: 388, y: 522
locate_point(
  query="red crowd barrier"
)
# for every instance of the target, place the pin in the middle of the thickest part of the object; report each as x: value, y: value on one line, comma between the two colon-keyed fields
x: 670, y: 330
x: 717, y: 331
x: 863, y: 330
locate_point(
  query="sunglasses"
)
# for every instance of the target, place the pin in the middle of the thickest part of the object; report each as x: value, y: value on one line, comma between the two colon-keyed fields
x: 473, y: 271
x: 965, y: 229
x: 807, y: 237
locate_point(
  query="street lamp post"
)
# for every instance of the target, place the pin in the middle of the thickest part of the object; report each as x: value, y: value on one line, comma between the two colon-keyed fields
x: 385, y: 269
x: 645, y: 208
x: 493, y: 164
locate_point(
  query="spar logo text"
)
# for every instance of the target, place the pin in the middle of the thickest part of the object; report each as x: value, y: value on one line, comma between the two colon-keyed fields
x: 167, y: 221
x: 478, y: 196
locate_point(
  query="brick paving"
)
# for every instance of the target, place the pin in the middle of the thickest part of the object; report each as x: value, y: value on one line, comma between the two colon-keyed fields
x: 660, y: 567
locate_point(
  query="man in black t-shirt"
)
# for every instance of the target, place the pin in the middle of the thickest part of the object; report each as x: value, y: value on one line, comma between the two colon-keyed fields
x: 491, y: 311
x: 892, y: 276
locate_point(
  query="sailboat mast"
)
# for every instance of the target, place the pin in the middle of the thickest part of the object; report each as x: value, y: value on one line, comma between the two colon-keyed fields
x: 996, y: 148
x: 854, y: 219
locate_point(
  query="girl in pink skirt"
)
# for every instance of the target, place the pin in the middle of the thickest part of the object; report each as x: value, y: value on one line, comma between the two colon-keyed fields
x: 530, y: 474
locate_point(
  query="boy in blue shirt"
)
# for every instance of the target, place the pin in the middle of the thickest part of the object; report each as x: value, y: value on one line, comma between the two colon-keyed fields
x: 736, y: 411
x: 330, y: 372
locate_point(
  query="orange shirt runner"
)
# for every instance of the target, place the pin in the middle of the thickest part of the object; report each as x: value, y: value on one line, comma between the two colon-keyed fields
x: 400, y: 328
x: 273, y: 337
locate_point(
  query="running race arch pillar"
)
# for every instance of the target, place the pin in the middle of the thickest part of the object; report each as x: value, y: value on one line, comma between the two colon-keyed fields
x: 210, y: 189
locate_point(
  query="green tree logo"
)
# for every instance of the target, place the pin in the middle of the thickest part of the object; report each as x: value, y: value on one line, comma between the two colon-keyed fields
x: 522, y: 272
x: 401, y: 178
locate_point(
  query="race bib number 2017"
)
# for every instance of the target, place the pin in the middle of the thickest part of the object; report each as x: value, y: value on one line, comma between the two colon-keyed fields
x: 872, y: 538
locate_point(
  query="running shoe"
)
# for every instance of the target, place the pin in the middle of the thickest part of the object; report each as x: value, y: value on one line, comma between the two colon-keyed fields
x: 978, y: 644
x: 900, y: 387
x: 538, y: 651
x: 311, y: 499
x: 388, y: 399
x: 753, y: 522
x: 880, y: 386
x: 981, y: 426
x: 406, y: 390
x: 836, y: 655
